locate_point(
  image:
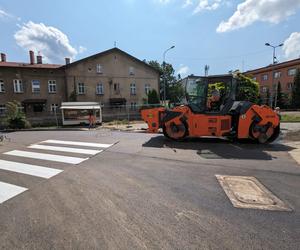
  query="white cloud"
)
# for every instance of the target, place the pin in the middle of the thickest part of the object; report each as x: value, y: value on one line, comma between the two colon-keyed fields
x: 163, y: 1
x: 250, y: 11
x: 291, y: 46
x: 187, y: 3
x: 201, y: 5
x: 183, y: 70
x: 52, y: 43
x: 207, y: 5
x: 4, y: 14
x: 81, y: 49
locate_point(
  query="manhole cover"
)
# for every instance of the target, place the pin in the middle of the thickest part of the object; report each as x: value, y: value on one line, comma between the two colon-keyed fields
x: 248, y: 192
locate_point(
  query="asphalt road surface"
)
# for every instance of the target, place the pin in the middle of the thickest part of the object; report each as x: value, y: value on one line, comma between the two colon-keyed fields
x: 140, y: 191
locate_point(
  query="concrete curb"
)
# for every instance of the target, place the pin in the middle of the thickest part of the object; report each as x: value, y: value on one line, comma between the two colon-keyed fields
x: 295, y: 153
x: 41, y: 129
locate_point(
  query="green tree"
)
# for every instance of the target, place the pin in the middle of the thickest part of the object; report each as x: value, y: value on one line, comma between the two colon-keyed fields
x: 15, y: 117
x: 280, y: 97
x: 267, y: 97
x: 73, y: 97
x: 247, y: 89
x: 167, y: 73
x: 153, y: 97
x: 296, y: 91
x: 176, y: 93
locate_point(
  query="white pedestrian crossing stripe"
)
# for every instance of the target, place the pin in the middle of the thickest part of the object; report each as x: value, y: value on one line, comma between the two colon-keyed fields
x: 28, y: 169
x: 48, y: 157
x: 66, y: 149
x: 8, y: 191
x: 77, y: 143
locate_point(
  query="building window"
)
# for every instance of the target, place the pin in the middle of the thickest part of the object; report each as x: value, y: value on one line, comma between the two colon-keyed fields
x: 2, y: 89
x: 289, y: 86
x: 133, y: 106
x: 264, y: 77
x: 131, y: 71
x: 117, y: 88
x: 18, y: 86
x: 99, y: 69
x: 81, y: 88
x: 2, y: 109
x: 277, y: 74
x: 254, y: 78
x: 264, y: 89
x: 52, y: 86
x: 147, y: 88
x: 132, y: 89
x: 36, y: 87
x: 292, y: 72
x: 53, y: 107
x: 99, y: 89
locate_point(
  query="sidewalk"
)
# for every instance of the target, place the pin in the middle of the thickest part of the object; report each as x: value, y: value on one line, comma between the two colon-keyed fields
x: 290, y: 126
x: 291, y: 137
x: 295, y: 153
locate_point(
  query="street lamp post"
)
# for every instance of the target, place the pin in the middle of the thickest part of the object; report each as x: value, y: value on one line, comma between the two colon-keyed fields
x: 273, y: 66
x: 164, y: 69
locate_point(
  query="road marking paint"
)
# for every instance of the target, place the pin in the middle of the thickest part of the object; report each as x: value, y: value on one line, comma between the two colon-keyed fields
x: 48, y: 157
x: 28, y: 169
x: 77, y: 143
x: 66, y: 149
x: 8, y: 191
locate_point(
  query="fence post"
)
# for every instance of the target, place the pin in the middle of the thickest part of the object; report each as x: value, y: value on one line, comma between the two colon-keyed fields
x: 128, y: 114
x: 56, y: 117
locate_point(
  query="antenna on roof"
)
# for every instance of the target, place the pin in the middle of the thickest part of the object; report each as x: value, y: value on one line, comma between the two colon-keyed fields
x: 115, y: 44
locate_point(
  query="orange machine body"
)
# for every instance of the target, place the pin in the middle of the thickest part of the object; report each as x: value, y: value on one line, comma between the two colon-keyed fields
x: 187, y: 123
x: 231, y: 115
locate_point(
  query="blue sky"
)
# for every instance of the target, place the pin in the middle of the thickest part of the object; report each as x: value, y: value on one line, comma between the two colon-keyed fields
x: 225, y: 34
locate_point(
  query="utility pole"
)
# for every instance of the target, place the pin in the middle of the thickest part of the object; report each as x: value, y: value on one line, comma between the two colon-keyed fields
x: 206, y: 69
x: 273, y: 92
x: 164, y: 69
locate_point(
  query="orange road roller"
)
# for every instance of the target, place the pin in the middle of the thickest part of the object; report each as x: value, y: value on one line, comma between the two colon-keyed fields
x: 209, y: 112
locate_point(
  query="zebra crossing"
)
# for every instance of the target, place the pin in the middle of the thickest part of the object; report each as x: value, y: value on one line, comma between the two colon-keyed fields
x: 39, y: 151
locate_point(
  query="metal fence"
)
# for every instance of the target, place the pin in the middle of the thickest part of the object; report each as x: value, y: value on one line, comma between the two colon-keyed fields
x: 125, y: 113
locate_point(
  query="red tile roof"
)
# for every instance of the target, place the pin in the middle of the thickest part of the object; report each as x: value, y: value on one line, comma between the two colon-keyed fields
x: 281, y: 65
x: 28, y: 65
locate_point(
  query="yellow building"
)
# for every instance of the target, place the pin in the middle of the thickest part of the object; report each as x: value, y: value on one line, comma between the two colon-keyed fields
x: 113, y: 78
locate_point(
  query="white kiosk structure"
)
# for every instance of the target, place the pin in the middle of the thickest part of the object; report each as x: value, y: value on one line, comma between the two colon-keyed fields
x: 76, y: 113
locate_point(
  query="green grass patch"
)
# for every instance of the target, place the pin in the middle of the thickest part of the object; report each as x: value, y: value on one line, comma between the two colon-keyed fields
x: 290, y: 118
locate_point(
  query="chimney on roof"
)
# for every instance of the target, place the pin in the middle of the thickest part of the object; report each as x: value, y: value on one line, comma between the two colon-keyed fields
x: 3, y: 57
x: 39, y: 59
x: 68, y: 60
x: 31, y: 56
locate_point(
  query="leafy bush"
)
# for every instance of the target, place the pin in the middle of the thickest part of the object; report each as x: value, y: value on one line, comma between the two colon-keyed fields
x: 153, y: 97
x: 296, y: 91
x: 15, y: 117
x: 247, y: 89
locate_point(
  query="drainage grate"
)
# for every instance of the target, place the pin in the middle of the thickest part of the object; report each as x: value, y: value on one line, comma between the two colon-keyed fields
x: 248, y: 192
